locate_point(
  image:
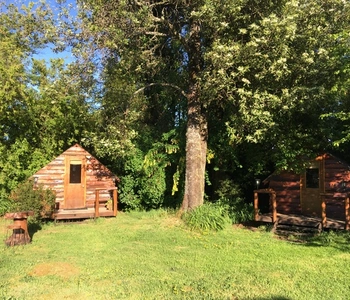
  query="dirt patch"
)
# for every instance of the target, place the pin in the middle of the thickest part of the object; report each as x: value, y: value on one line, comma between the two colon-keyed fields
x: 253, y: 226
x: 172, y: 222
x: 62, y: 269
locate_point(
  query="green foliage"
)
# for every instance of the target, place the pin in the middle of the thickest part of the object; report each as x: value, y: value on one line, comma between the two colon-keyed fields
x: 42, y: 107
x: 27, y: 197
x: 128, y: 196
x: 156, y: 166
x: 229, y: 196
x: 272, y: 78
x: 331, y: 238
x: 18, y: 162
x: 264, y: 71
x: 207, y: 217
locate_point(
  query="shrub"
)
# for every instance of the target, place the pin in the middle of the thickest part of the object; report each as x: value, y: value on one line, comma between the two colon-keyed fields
x: 26, y: 198
x: 207, y: 217
x: 128, y: 198
x: 229, y: 195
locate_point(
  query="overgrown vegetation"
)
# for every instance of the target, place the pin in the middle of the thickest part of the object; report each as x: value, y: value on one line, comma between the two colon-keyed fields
x: 207, y: 217
x: 261, y: 84
x: 30, y: 197
x: 230, y: 196
x: 153, y: 256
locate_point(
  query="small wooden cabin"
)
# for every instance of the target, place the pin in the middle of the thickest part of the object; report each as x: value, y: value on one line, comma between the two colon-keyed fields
x: 325, y: 178
x: 82, y: 184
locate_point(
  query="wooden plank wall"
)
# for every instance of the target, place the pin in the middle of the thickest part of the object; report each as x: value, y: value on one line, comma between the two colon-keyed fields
x: 287, y: 187
x: 97, y: 176
x: 337, y: 183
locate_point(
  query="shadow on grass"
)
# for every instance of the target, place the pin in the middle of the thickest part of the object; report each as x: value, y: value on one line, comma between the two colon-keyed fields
x: 269, y: 298
x: 33, y: 228
x: 339, y: 240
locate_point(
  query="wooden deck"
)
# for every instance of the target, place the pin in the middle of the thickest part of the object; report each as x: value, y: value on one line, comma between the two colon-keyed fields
x: 322, y: 222
x: 96, y: 211
x: 302, y: 221
x: 86, y: 213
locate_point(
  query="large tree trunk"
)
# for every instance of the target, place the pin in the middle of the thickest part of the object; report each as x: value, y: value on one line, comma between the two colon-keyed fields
x: 196, y: 135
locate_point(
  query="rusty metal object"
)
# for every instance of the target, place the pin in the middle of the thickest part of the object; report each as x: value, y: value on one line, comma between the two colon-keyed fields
x: 19, y: 228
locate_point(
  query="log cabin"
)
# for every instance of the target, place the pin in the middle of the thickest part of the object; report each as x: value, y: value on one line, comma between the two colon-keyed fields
x: 320, y: 191
x: 82, y: 184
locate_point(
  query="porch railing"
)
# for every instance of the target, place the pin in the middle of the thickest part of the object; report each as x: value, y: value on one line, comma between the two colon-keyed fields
x: 114, y: 200
x: 273, y: 203
x: 346, y: 210
x: 273, y: 206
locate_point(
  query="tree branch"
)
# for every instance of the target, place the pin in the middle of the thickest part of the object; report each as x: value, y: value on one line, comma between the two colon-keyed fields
x: 182, y: 92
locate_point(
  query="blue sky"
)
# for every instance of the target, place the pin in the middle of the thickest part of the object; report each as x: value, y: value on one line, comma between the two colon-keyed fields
x: 47, y: 53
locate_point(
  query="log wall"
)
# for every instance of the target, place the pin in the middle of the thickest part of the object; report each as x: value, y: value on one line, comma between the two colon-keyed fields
x: 287, y: 188
x: 97, y: 176
x: 337, y: 185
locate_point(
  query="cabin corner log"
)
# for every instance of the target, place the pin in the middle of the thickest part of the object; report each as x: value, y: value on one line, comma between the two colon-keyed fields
x: 274, y: 206
x: 273, y: 203
x: 256, y: 206
x: 347, y: 212
x: 97, y: 203
x: 323, y: 211
x: 115, y: 201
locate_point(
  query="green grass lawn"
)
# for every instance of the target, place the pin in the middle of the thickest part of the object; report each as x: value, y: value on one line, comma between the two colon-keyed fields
x: 153, y: 256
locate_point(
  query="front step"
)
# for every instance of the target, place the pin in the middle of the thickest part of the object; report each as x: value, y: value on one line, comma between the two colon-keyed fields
x: 285, y: 228
x: 297, y: 229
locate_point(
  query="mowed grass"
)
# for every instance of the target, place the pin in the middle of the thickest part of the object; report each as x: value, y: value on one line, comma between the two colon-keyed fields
x: 153, y: 256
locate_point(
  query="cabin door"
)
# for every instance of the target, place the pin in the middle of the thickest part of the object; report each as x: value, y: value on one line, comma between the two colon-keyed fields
x: 311, y: 186
x: 75, y: 180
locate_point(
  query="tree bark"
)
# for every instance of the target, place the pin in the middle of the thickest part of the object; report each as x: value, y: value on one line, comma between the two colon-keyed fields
x: 196, y: 134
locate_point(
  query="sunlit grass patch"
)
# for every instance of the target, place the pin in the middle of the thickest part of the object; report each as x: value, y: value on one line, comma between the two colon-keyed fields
x: 154, y: 256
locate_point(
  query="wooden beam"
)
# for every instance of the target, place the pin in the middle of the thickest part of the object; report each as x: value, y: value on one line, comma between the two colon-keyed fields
x: 274, y: 206
x: 115, y: 201
x: 347, y: 212
x: 97, y: 203
x: 256, y: 206
x: 323, y: 210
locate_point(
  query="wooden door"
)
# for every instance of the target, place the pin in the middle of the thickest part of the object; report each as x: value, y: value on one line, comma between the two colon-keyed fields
x: 75, y: 182
x: 311, y: 186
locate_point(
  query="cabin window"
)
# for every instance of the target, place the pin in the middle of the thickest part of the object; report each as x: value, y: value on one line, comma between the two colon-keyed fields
x: 75, y: 172
x: 312, y: 178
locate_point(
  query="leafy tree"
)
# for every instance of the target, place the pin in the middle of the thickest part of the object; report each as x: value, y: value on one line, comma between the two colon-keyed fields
x: 253, y: 67
x: 43, y: 105
x: 246, y: 69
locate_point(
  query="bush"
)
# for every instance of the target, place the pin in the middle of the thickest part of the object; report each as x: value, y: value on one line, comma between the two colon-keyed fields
x: 229, y: 195
x: 39, y: 200
x: 207, y: 217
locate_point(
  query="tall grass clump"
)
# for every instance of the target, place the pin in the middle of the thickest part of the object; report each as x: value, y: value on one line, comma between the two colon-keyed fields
x: 207, y: 217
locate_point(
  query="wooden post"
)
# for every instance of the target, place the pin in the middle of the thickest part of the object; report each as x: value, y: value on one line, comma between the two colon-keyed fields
x: 97, y: 203
x: 347, y: 212
x: 274, y: 206
x: 256, y: 206
x: 115, y: 202
x: 323, y: 210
